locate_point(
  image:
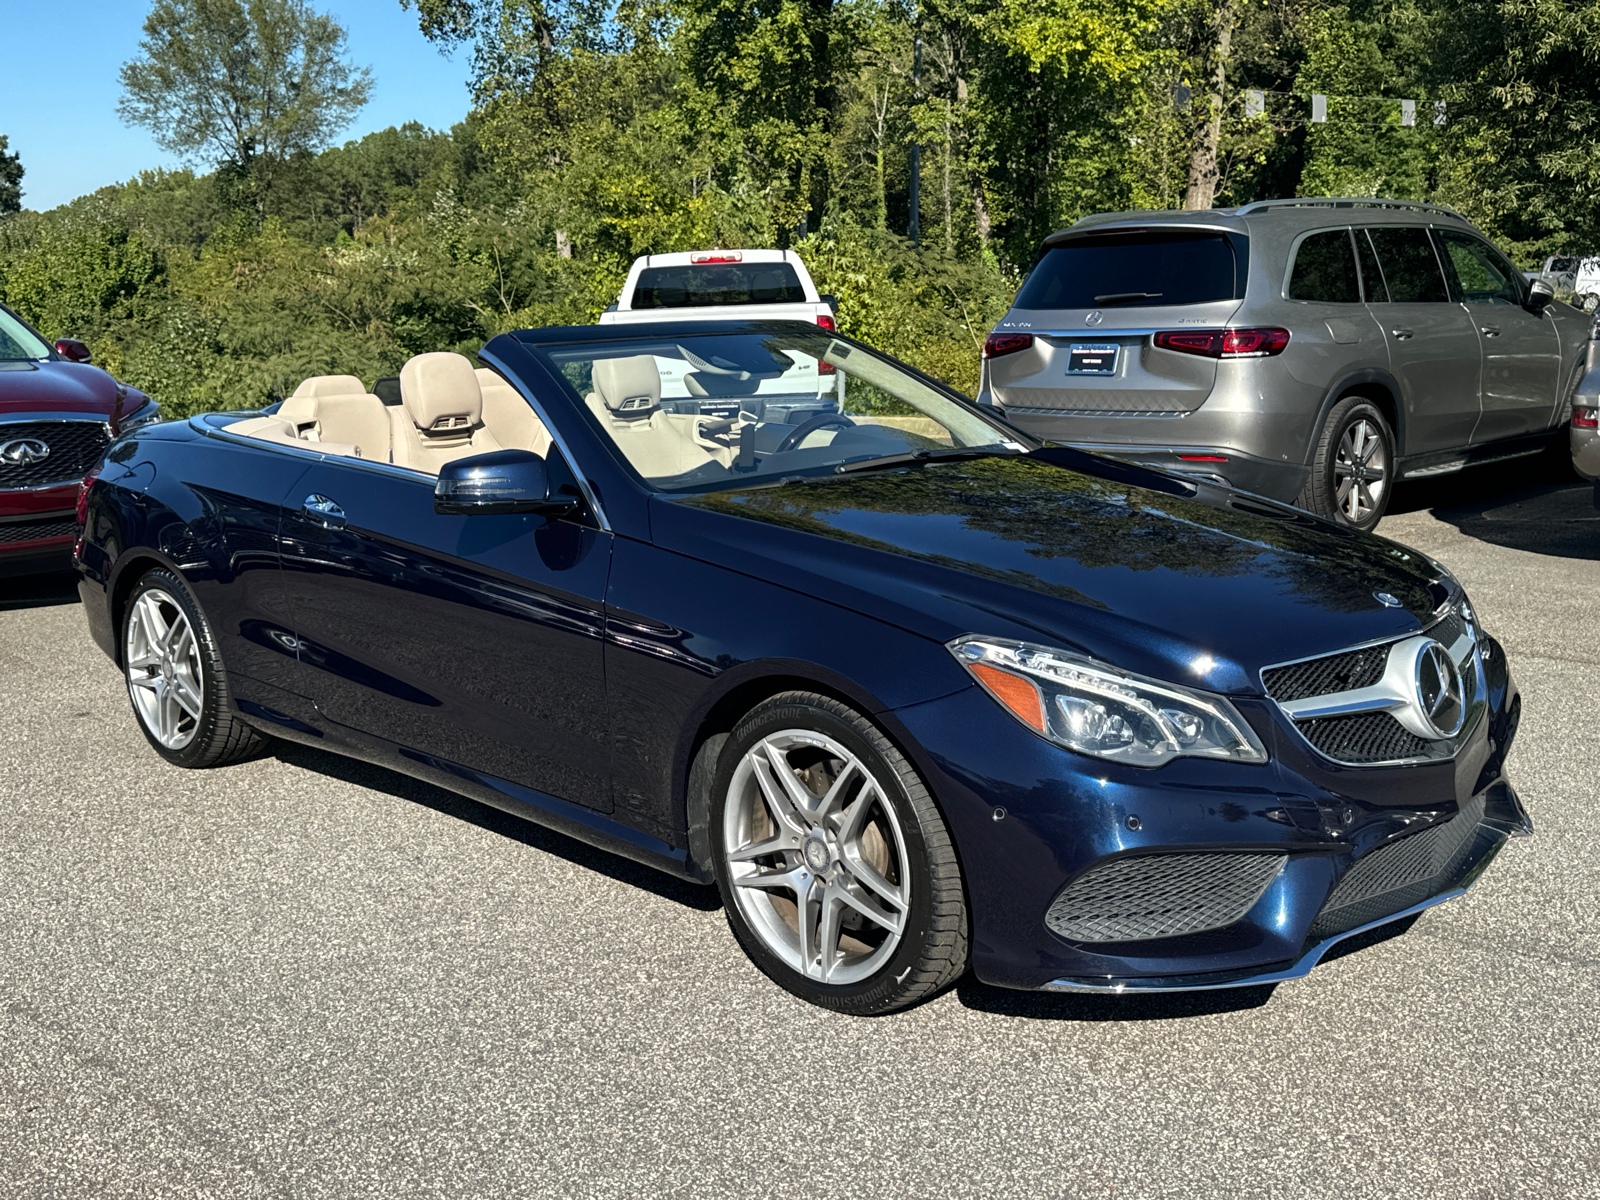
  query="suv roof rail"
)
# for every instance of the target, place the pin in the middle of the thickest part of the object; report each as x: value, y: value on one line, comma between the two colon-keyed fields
x: 1348, y: 202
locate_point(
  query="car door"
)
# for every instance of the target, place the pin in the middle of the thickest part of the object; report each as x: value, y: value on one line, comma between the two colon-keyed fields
x: 1433, y: 343
x: 475, y: 641
x: 1521, y: 350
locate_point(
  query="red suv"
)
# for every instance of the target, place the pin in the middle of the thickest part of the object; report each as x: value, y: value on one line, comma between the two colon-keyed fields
x: 57, y: 415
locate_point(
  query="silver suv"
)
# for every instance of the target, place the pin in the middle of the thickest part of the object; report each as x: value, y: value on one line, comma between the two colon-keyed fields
x: 1309, y: 350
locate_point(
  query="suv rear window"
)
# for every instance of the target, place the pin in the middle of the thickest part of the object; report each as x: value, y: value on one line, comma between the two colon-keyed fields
x: 718, y: 283
x: 1325, y: 270
x: 1132, y: 269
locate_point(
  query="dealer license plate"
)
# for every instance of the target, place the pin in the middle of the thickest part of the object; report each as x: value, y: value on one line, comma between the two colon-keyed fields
x: 1085, y: 359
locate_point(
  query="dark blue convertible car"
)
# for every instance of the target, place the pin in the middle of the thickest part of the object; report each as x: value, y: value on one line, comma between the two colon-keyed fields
x: 757, y: 605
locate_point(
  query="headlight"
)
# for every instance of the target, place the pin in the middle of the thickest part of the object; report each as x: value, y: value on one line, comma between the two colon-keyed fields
x: 1095, y: 709
x: 147, y: 414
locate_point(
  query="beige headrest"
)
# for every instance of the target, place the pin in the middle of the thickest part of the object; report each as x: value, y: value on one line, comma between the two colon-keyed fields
x: 441, y: 393
x: 628, y: 386
x: 331, y: 385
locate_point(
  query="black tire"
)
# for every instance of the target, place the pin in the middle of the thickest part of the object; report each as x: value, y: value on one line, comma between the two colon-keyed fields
x: 1332, y: 466
x: 931, y: 952
x: 217, y: 736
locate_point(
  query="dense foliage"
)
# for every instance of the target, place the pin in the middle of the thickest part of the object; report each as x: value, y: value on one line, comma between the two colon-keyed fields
x: 604, y: 130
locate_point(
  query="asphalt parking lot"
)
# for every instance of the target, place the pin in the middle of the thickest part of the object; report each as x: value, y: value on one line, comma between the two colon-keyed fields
x: 308, y: 977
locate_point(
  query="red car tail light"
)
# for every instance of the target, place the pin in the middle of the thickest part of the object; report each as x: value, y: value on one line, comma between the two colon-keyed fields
x: 827, y: 322
x: 1585, y: 418
x: 81, y: 513
x: 997, y: 344
x: 1225, y: 343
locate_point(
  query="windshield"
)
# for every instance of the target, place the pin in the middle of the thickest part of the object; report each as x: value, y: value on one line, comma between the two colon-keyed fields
x: 1138, y: 269
x: 17, y: 341
x: 720, y: 410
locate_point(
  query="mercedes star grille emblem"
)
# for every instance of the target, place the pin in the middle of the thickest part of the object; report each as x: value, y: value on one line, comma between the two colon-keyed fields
x: 1439, y: 691
x: 22, y: 451
x: 1094, y: 318
x: 1386, y: 600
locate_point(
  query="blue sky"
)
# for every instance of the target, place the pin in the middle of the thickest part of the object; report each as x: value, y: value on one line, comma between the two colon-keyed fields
x: 59, y: 88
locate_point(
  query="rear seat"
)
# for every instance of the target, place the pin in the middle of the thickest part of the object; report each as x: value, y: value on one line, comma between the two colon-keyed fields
x: 359, y: 421
x: 509, y: 417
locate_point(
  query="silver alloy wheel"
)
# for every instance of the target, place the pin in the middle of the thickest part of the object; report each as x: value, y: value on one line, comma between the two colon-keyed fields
x: 816, y: 857
x: 1362, y: 471
x: 162, y: 660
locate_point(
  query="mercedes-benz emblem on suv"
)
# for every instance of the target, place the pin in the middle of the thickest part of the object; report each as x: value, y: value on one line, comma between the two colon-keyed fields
x: 1438, y: 686
x: 1094, y: 318
x: 1386, y: 600
x: 22, y: 451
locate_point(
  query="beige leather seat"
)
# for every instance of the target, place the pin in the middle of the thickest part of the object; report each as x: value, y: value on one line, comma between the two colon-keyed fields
x: 627, y: 401
x: 359, y: 420
x: 509, y: 417
x: 300, y: 409
x: 440, y: 418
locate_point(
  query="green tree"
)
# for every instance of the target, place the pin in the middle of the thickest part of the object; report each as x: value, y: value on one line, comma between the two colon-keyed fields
x: 243, y: 84
x: 10, y: 179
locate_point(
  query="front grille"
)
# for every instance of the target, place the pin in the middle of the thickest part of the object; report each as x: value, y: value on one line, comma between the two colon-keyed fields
x: 1371, y: 737
x: 1401, y: 873
x: 75, y: 446
x: 13, y: 532
x: 1333, y: 673
x: 1448, y: 631
x: 1162, y: 895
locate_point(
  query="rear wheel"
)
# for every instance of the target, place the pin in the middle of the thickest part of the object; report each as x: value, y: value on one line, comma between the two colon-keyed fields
x: 175, y: 678
x: 1353, y: 467
x: 837, y: 872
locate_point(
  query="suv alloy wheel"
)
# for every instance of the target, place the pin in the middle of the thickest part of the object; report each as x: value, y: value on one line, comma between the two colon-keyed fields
x: 1352, y: 468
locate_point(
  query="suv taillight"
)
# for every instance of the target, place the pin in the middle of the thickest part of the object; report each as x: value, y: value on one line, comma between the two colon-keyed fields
x: 827, y: 322
x: 81, y: 513
x: 1585, y: 418
x: 997, y: 344
x: 1225, y: 343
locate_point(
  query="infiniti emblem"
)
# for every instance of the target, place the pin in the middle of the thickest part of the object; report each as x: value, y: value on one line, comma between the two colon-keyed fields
x: 1438, y: 685
x: 1386, y: 600
x: 22, y: 451
x: 1094, y: 318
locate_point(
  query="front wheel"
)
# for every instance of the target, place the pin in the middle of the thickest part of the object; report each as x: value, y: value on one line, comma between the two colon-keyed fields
x: 175, y: 677
x: 1353, y: 467
x: 836, y: 869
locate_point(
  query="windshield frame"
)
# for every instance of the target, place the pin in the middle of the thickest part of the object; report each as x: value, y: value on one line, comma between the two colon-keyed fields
x: 555, y: 338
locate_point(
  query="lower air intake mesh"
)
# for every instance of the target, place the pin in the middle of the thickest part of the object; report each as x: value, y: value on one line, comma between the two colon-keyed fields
x: 1372, y: 737
x: 1399, y: 874
x: 1162, y: 895
x: 12, y: 532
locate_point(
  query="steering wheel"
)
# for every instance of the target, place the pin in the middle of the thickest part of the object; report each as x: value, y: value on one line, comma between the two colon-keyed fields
x: 806, y: 428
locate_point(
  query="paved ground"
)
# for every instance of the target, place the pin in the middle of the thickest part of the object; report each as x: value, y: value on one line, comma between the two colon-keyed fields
x: 304, y: 977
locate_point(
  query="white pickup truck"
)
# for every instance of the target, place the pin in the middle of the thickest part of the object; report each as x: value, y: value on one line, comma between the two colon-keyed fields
x: 720, y: 285
x: 729, y: 285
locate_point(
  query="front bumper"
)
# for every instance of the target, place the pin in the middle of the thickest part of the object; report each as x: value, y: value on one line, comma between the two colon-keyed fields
x: 37, y: 528
x: 1030, y: 818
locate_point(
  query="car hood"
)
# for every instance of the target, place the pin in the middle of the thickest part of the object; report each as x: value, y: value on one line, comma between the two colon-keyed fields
x: 1124, y: 564
x: 56, y: 387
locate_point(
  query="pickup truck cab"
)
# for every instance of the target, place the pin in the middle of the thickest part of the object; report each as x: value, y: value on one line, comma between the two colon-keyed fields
x: 729, y: 285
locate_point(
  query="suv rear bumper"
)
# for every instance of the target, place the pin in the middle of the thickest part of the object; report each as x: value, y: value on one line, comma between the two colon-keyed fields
x: 1246, y: 472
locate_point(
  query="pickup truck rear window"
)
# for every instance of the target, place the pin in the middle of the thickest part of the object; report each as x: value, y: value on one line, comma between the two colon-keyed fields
x: 705, y: 284
x: 1133, y: 270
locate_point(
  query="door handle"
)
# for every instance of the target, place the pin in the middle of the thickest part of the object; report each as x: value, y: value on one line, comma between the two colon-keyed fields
x: 323, y: 511
x: 1489, y: 330
x: 1401, y: 334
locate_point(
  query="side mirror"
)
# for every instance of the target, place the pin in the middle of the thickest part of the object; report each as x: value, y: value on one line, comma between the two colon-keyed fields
x: 1589, y: 302
x: 831, y: 301
x: 73, y: 350
x: 1540, y: 294
x: 501, y: 481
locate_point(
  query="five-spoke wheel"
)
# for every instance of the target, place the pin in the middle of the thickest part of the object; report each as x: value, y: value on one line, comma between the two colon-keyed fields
x: 836, y: 868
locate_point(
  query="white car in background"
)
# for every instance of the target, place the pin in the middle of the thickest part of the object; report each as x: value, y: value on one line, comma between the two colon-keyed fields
x: 730, y: 285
